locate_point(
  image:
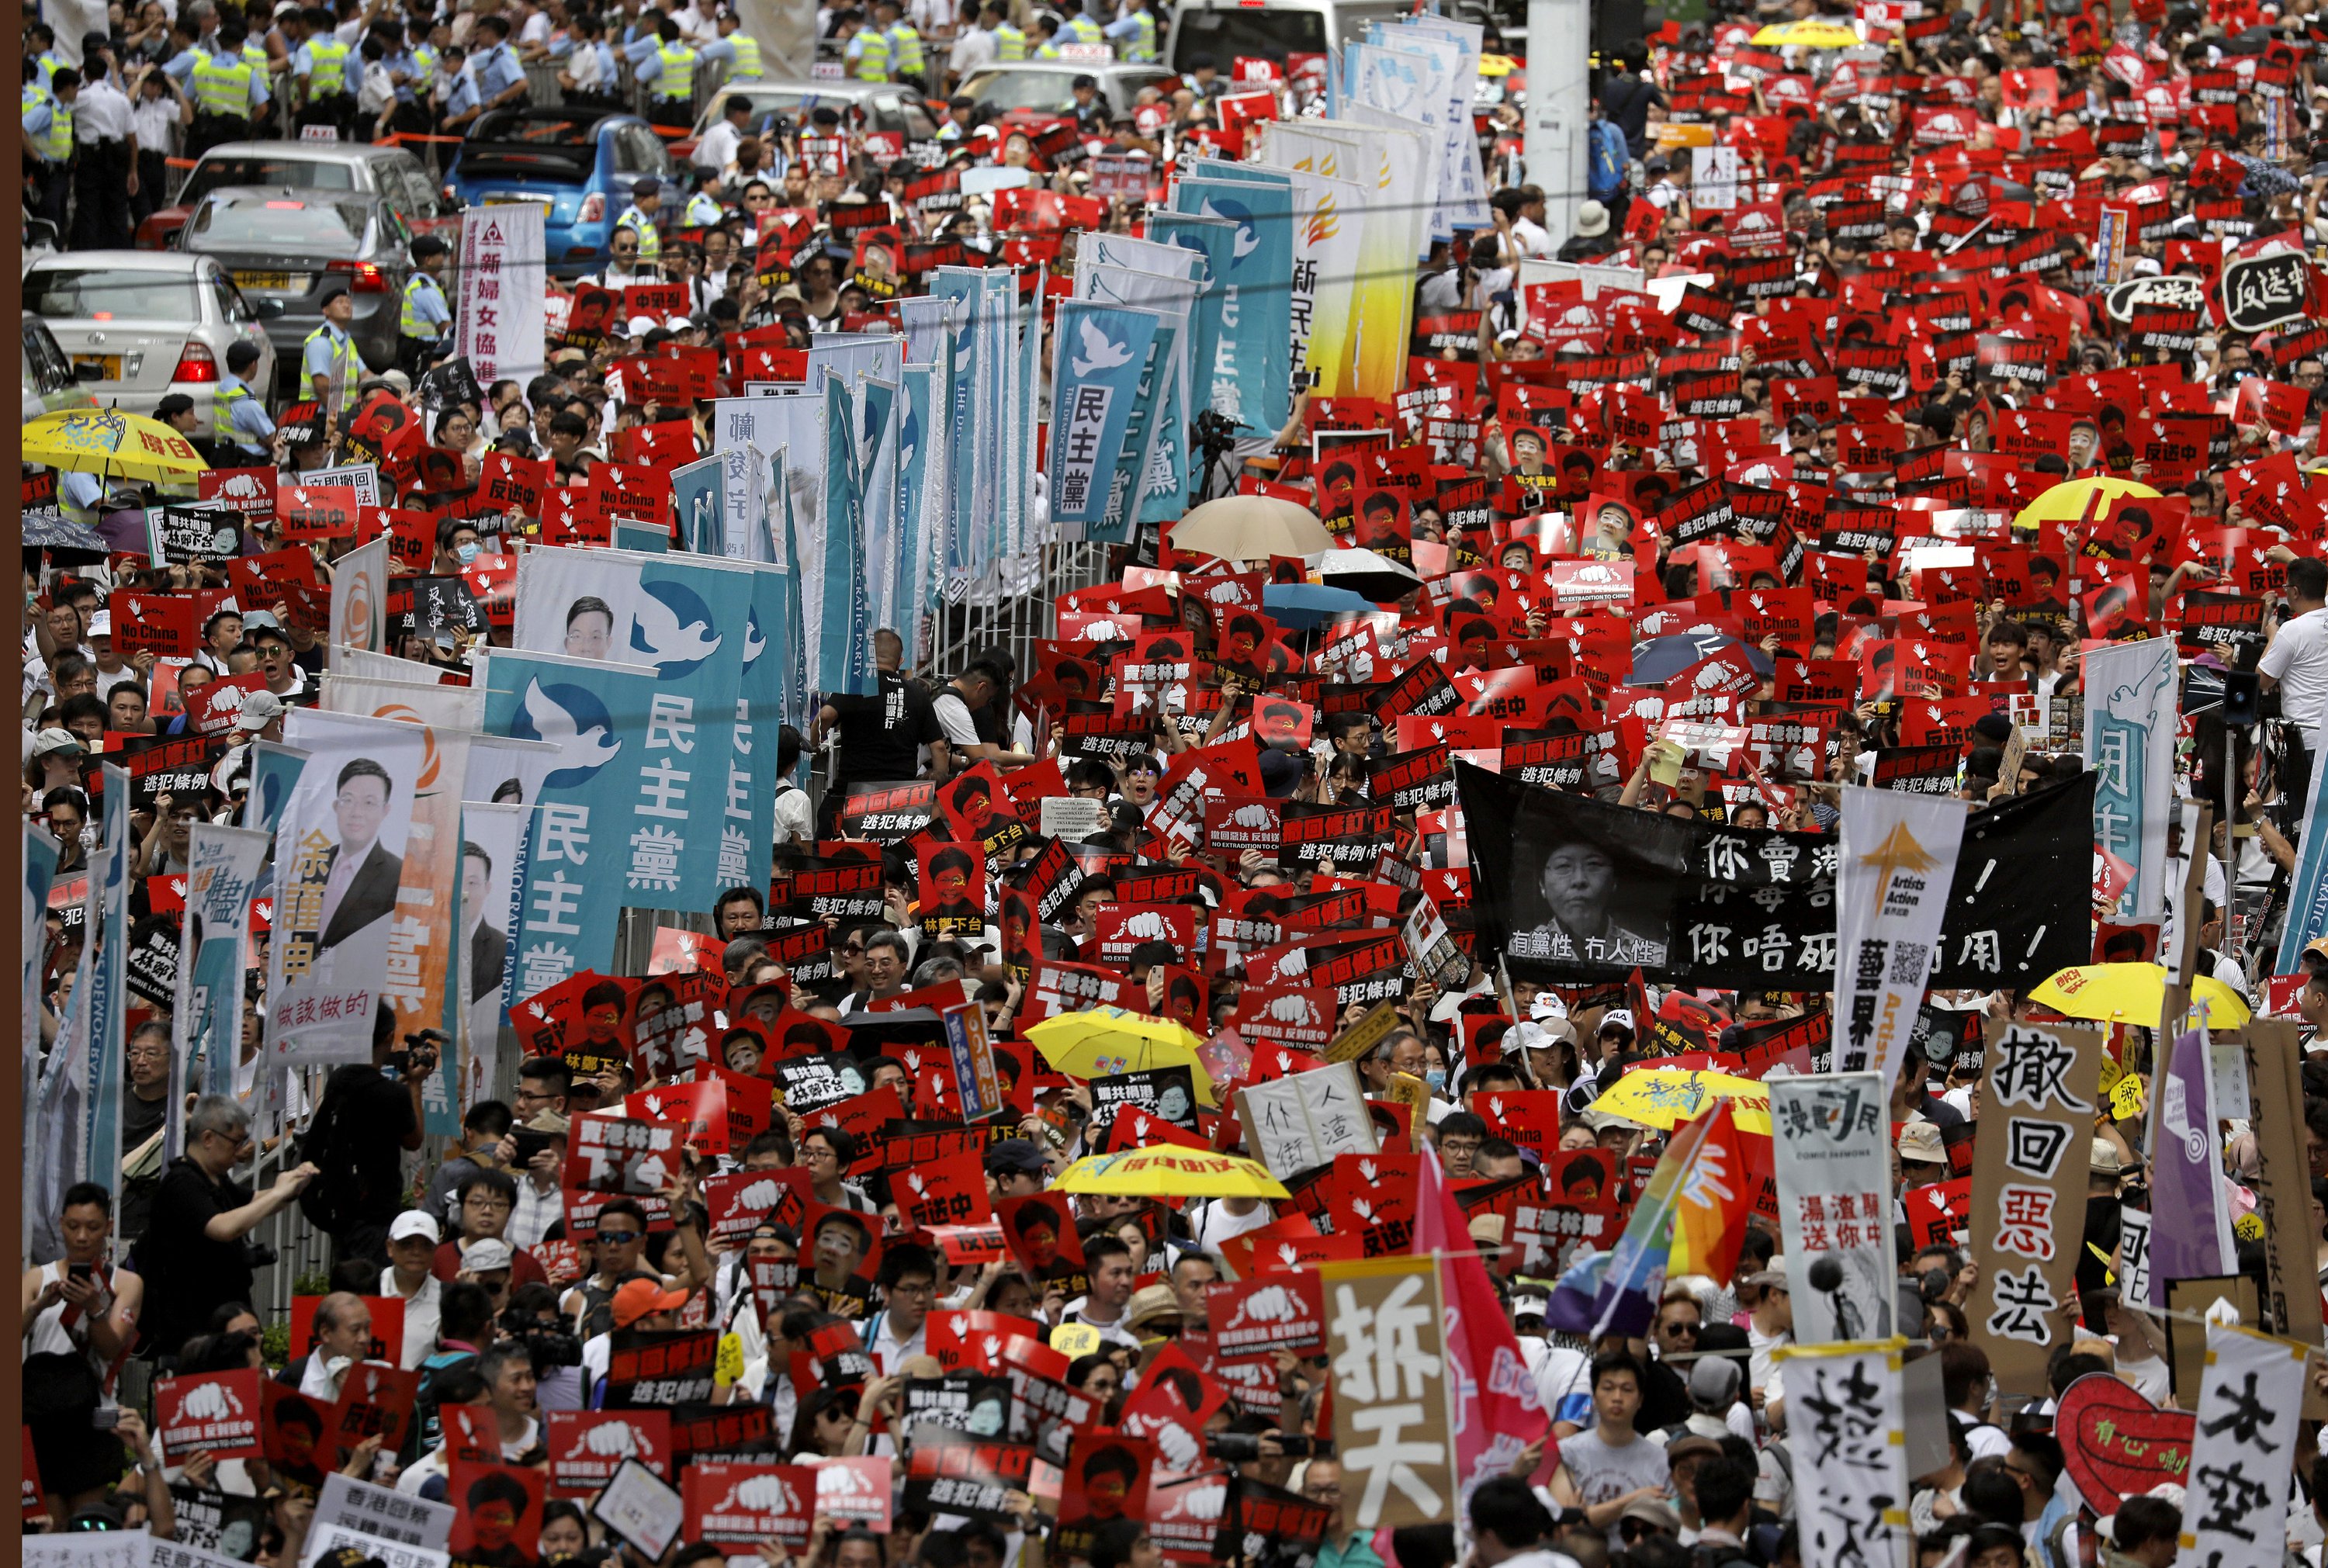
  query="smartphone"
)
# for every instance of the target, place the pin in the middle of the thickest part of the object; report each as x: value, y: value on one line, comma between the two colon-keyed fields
x: 79, y: 1273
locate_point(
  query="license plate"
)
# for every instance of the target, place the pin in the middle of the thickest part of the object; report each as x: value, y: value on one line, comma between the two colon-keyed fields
x: 108, y: 366
x: 278, y: 281
x: 541, y: 201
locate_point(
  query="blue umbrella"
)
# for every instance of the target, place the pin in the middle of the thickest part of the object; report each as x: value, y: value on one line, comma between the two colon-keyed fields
x: 1303, y: 606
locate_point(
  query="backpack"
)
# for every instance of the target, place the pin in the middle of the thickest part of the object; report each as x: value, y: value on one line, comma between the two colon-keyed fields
x: 334, y: 1202
x: 1605, y: 159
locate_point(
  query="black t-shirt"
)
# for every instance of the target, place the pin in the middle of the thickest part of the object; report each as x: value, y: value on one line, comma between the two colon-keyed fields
x: 370, y: 1125
x: 140, y: 1120
x: 193, y: 1275
x: 882, y: 734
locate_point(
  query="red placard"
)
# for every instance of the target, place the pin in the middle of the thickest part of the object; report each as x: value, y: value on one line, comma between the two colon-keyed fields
x: 586, y: 1447
x: 310, y: 511
x: 497, y: 1513
x: 740, y: 1505
x: 1253, y: 1319
x: 216, y: 1413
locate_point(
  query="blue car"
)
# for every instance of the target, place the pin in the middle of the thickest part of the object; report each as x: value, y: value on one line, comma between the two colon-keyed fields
x: 580, y: 164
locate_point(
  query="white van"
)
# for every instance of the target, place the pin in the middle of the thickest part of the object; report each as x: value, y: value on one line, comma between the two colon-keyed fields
x: 1224, y: 29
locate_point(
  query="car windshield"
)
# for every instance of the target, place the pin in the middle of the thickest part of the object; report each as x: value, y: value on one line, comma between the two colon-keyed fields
x: 288, y: 223
x: 105, y: 294
x: 300, y: 174
x: 1227, y: 34
x: 510, y: 129
x: 1009, y: 90
x: 795, y: 106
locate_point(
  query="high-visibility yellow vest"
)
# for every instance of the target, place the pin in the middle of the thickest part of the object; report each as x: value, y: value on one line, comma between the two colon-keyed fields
x: 408, y: 321
x: 748, y: 55
x: 678, y: 77
x: 222, y: 86
x: 58, y: 143
x: 327, y: 74
x: 701, y: 212
x: 255, y: 55
x: 1142, y: 47
x: 224, y: 398
x: 1047, y: 51
x: 649, y: 242
x: 906, y: 44
x: 873, y: 59
x: 347, y: 366
x: 1009, y: 43
x: 1082, y: 29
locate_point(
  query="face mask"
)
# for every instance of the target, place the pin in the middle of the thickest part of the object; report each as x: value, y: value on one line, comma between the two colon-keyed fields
x: 1436, y: 1077
x: 467, y: 553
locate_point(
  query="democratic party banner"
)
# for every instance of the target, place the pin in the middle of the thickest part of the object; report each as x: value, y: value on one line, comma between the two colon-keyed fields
x: 908, y: 592
x: 1251, y: 380
x: 494, y: 840
x: 340, y: 851
x: 1852, y: 1487
x: 499, y: 325
x: 1831, y: 1161
x: 959, y: 311
x: 1151, y: 458
x: 688, y: 619
x: 698, y: 493
x: 223, y: 871
x: 579, y: 872
x: 1898, y: 853
x: 1213, y: 239
x: 358, y: 601
x: 882, y: 407
x: 1590, y: 891
x: 839, y: 630
x: 2307, y: 898
x: 1100, y: 360
x: 108, y: 994
x: 2132, y: 703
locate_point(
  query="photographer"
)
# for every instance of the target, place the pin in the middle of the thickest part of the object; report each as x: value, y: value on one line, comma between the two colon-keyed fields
x: 356, y: 1143
x: 199, y: 1238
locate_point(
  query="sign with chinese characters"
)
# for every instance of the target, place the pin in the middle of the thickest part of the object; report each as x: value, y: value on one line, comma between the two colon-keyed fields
x: 2191, y: 1236
x: 1846, y: 1429
x: 2235, y: 1497
x: 1898, y: 856
x: 2029, y: 1164
x: 499, y: 325
x: 2131, y: 728
x: 1393, y: 1422
x: 1831, y: 1164
x: 1296, y: 1122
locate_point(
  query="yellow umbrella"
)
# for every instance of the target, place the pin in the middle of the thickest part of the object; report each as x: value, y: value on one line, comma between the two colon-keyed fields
x: 2076, y: 500
x: 1251, y: 528
x: 1108, y: 1040
x: 1170, y: 1172
x: 109, y: 442
x: 1668, y: 1096
x: 1806, y: 35
x: 2132, y: 993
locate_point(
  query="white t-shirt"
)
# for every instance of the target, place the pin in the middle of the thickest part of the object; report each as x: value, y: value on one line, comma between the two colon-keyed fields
x: 716, y: 150
x: 2298, y: 659
x: 954, y: 717
x: 1216, y: 1224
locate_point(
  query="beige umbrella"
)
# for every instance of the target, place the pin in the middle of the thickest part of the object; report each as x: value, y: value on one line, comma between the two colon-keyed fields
x: 1250, y: 528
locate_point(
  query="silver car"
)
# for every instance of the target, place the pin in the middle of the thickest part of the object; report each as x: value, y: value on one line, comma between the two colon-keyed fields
x: 290, y: 247
x: 137, y: 325
x: 1047, y: 86
x: 886, y: 107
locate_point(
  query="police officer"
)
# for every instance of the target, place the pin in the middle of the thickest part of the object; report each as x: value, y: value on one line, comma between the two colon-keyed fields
x: 1078, y: 27
x: 906, y: 61
x: 1048, y: 37
x: 1010, y: 38
x: 747, y: 48
x: 500, y: 79
x: 320, y: 72
x: 229, y: 91
x: 242, y: 433
x: 639, y: 218
x: 423, y: 318
x: 667, y: 71
x: 867, y: 53
x: 329, y: 365
x: 1133, y: 33
x: 703, y: 209
x: 48, y: 136
x: 103, y: 170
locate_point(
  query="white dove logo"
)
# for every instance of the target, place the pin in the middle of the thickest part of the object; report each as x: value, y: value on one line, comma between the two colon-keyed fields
x: 754, y: 644
x: 1248, y: 237
x: 1100, y: 351
x: 677, y: 636
x: 585, y: 747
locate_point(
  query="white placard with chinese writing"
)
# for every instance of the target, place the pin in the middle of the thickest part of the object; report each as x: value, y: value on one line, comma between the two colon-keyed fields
x: 1713, y: 177
x: 2250, y: 1396
x: 1846, y: 1428
x: 1831, y: 1164
x: 500, y: 326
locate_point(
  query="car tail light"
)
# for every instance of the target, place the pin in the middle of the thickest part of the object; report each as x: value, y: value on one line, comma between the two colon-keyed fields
x: 195, y: 364
x: 363, y: 277
x: 594, y: 207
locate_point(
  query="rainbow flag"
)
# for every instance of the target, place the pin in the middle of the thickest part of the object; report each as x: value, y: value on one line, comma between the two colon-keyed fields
x: 1674, y: 1226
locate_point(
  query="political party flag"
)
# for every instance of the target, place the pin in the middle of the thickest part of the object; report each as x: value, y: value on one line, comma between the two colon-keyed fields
x: 2190, y: 1218
x: 884, y: 409
x: 1325, y: 265
x: 596, y: 713
x: 1154, y: 458
x: 340, y: 854
x: 923, y: 483
x: 107, y: 1043
x: 1253, y: 369
x: 1027, y: 407
x: 957, y: 290
x: 358, y: 601
x: 223, y: 868
x: 494, y: 840
x: 1898, y: 856
x: 2307, y: 899
x: 1617, y: 1291
x: 840, y: 637
x: 1498, y: 1410
x: 1213, y: 239
x: 2132, y: 718
x: 1100, y: 357
x: 748, y: 805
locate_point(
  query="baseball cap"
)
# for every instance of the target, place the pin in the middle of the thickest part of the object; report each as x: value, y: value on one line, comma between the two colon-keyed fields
x: 1014, y: 1157
x: 100, y: 624
x: 492, y: 1252
x: 50, y: 742
x: 1922, y: 1141
x: 259, y: 709
x: 644, y: 1298
x: 1713, y: 1384
x: 412, y: 1223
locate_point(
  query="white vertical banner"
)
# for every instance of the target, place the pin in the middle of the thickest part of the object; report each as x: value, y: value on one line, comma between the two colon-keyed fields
x: 1899, y: 855
x: 358, y: 601
x: 2235, y: 1494
x: 224, y: 869
x: 1715, y: 175
x: 2131, y: 729
x: 499, y: 328
x: 1831, y: 1160
x: 1848, y: 1429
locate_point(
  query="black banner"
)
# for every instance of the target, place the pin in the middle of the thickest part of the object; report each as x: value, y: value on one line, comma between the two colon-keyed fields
x: 1579, y: 890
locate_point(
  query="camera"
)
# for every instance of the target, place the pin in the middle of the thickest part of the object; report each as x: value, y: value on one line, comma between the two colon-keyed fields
x: 1240, y: 1447
x: 258, y: 1255
x: 419, y: 1054
x: 547, y: 1348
